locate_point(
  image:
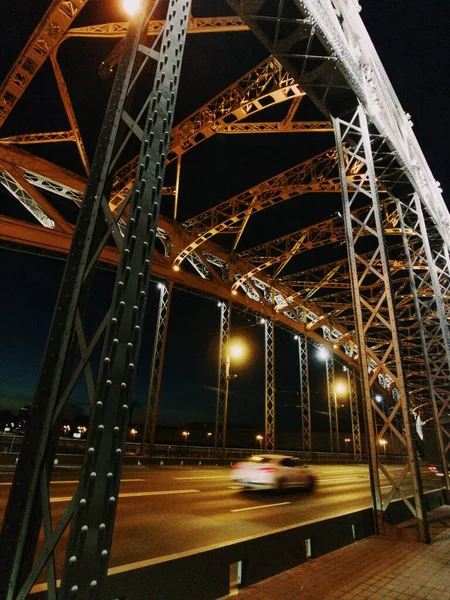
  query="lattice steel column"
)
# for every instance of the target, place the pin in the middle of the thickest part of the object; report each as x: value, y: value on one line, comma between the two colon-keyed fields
x: 159, y: 348
x: 305, y: 401
x: 332, y: 406
x: 269, y: 437
x: 354, y: 413
x: 431, y: 313
x: 374, y: 310
x: 220, y: 435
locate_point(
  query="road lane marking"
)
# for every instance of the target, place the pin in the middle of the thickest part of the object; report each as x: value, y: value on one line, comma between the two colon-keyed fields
x: 70, y: 481
x: 134, y: 494
x: 258, y: 507
x: 203, y: 477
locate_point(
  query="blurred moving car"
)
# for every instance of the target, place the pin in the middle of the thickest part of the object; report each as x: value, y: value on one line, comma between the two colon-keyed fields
x: 273, y: 471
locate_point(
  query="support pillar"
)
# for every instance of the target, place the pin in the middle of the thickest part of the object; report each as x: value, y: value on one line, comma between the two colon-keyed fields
x: 159, y: 348
x: 220, y: 435
x: 375, y: 317
x: 269, y: 437
x: 305, y: 401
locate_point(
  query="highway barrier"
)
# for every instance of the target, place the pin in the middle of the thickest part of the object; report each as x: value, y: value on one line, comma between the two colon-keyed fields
x: 221, y: 570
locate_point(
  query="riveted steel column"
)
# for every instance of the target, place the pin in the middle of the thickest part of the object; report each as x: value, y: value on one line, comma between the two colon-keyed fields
x: 269, y: 437
x: 159, y: 348
x: 220, y: 435
x: 90, y: 539
x: 29, y: 497
x: 354, y: 414
x: 375, y: 316
x: 305, y: 401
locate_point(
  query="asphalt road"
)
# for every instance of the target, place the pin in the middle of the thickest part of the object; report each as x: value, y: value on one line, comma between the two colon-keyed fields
x: 167, y: 510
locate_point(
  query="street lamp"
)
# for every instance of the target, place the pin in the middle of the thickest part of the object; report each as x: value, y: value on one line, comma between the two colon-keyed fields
x: 260, y: 439
x: 133, y: 434
x: 209, y: 436
x: 237, y: 351
x: 347, y: 440
x: 185, y: 434
x: 383, y: 444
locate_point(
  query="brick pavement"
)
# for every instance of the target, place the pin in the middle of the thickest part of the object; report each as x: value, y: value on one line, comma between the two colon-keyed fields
x: 377, y: 567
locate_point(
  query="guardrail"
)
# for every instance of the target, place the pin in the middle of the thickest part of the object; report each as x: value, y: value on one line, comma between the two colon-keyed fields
x: 11, y: 444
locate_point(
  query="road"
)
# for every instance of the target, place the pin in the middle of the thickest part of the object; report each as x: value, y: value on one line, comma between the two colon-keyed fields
x: 167, y: 510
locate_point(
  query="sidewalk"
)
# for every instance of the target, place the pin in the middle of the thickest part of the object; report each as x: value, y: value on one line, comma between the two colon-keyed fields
x: 377, y: 567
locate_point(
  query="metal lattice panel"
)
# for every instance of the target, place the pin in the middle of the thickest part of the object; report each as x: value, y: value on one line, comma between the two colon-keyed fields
x: 354, y: 413
x: 220, y: 436
x: 375, y: 317
x: 332, y: 406
x: 159, y: 348
x: 269, y: 437
x: 431, y: 314
x: 305, y: 401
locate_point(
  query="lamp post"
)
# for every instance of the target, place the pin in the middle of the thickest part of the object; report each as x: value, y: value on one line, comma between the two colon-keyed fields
x: 185, y: 434
x: 260, y: 440
x: 383, y: 444
x: 236, y: 350
x: 347, y: 440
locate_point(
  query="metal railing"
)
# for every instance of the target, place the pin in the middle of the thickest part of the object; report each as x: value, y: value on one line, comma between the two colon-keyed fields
x: 11, y: 444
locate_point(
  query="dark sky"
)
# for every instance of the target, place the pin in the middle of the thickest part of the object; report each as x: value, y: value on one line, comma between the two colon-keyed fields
x: 411, y: 39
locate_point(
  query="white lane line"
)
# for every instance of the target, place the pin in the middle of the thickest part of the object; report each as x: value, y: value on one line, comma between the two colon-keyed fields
x: 258, y: 507
x: 337, y: 479
x: 134, y: 494
x: 203, y: 477
x: 70, y: 481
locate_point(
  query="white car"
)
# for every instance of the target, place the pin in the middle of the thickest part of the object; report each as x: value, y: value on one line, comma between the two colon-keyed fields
x: 273, y: 471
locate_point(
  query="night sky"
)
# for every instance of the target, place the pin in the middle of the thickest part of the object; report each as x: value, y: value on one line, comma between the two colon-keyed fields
x: 412, y: 41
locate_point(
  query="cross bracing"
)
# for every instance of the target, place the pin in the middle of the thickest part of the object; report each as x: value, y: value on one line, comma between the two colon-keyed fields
x: 320, y: 66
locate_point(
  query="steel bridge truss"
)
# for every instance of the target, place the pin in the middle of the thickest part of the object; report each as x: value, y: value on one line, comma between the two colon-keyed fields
x: 220, y: 435
x: 159, y: 348
x: 354, y: 414
x: 92, y: 510
x: 429, y: 288
x: 269, y: 338
x: 375, y: 317
x: 305, y: 399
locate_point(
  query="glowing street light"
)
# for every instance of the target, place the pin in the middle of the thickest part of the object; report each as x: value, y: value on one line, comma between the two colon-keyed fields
x: 347, y: 440
x: 383, y: 444
x: 133, y: 433
x: 340, y: 388
x: 260, y: 440
x: 323, y: 353
x: 185, y: 434
x: 378, y: 398
x: 235, y: 350
x: 131, y: 7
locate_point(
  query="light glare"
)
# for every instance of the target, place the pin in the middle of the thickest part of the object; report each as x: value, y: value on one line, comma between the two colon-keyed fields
x: 131, y: 6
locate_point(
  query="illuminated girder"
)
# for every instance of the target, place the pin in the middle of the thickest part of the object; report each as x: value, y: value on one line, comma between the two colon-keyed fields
x: 265, y: 85
x: 118, y: 30
x: 310, y: 176
x: 276, y: 127
x: 280, y: 251
x: 196, y: 25
x: 44, y: 40
x: 39, y: 138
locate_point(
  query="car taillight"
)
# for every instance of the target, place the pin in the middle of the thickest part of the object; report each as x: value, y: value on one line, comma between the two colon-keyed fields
x: 235, y: 466
x: 432, y: 468
x: 267, y: 469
